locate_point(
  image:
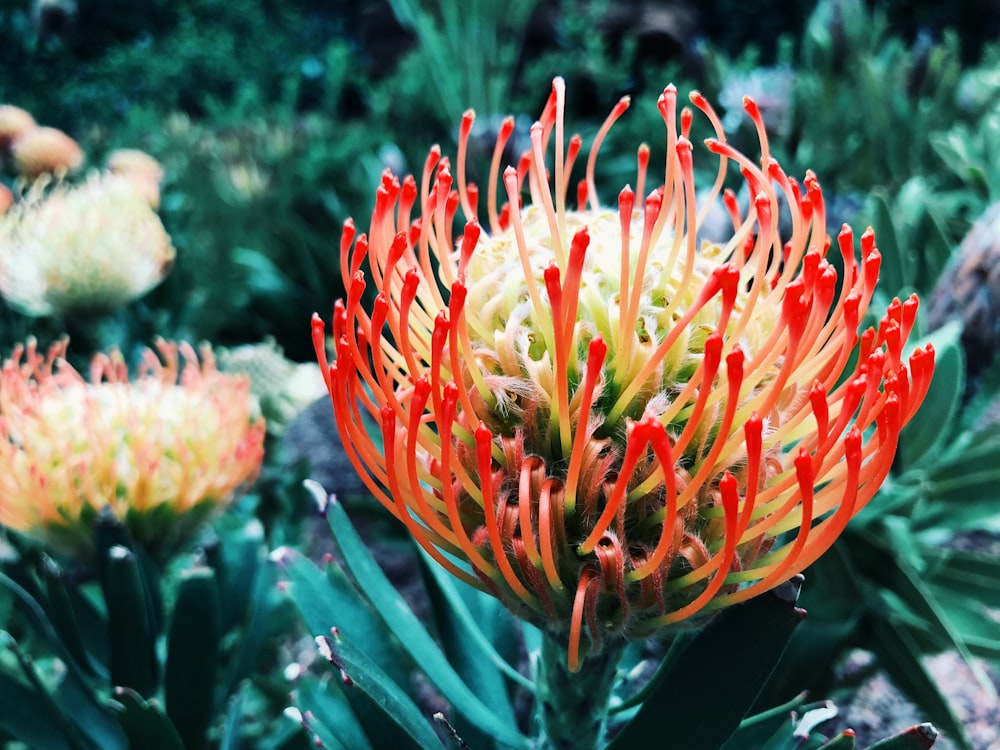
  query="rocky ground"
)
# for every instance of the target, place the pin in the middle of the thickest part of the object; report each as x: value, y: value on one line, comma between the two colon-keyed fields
x: 879, y: 709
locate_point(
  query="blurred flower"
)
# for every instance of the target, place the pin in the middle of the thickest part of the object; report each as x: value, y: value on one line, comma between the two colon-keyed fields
x: 281, y: 387
x: 95, y: 246
x: 14, y: 122
x: 614, y: 426
x: 41, y: 151
x: 161, y: 453
x: 6, y: 199
x: 247, y: 179
x: 141, y: 169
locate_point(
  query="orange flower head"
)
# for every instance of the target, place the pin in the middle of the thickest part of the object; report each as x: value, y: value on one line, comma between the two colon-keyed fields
x: 161, y: 452
x: 610, y: 423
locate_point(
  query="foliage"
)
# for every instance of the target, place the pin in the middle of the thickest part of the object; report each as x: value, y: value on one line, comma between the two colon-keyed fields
x: 372, y: 641
x: 130, y: 655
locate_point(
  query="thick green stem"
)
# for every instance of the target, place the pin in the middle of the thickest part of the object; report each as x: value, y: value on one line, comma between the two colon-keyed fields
x: 573, y: 706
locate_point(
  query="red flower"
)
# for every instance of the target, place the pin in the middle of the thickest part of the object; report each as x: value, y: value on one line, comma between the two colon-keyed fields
x: 609, y: 423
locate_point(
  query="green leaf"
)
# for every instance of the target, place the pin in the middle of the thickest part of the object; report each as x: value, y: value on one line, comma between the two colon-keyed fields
x: 782, y: 737
x: 74, y: 694
x: 464, y: 642
x: 326, y: 703
x: 755, y: 730
x: 469, y: 627
x: 193, y: 656
x: 893, y: 275
x: 935, y: 251
x: 231, y: 735
x: 263, y: 277
x: 899, y: 654
x: 237, y: 559
x: 27, y: 716
x: 412, y: 635
x: 843, y: 741
x: 92, y: 626
x: 966, y: 573
x: 836, y: 605
x: 133, y: 644
x: 931, y: 425
x: 109, y: 532
x: 897, y: 559
x: 973, y: 620
x: 357, y: 669
x: 29, y: 712
x: 730, y: 660
x: 780, y: 728
x: 62, y: 615
x: 919, y: 737
x: 326, y: 600
x: 145, y: 723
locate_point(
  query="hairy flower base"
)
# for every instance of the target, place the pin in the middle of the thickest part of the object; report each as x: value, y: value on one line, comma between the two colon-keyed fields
x: 160, y: 453
x: 609, y: 424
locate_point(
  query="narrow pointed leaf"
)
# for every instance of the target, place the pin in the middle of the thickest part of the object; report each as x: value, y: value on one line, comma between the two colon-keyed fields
x: 900, y: 656
x: 256, y: 628
x: 843, y: 741
x: 330, y: 600
x: 133, y: 647
x: 145, y: 723
x: 411, y: 633
x: 920, y: 737
x: 232, y: 738
x: 930, y: 427
x: 28, y: 716
x: 744, y: 644
x: 193, y: 656
x: 894, y: 275
x: 466, y: 653
x: 36, y: 698
x: 74, y: 694
x: 328, y: 705
x: 754, y: 731
x: 448, y: 587
x: 63, y: 618
x: 361, y: 672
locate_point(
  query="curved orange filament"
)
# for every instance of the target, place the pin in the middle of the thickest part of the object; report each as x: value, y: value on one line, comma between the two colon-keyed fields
x: 484, y: 456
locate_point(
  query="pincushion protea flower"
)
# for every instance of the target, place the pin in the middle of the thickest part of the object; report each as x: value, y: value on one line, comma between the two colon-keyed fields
x: 93, y: 246
x: 611, y: 425
x: 161, y: 452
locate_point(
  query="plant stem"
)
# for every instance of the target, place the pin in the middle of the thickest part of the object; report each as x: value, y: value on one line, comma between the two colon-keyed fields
x: 573, y: 706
